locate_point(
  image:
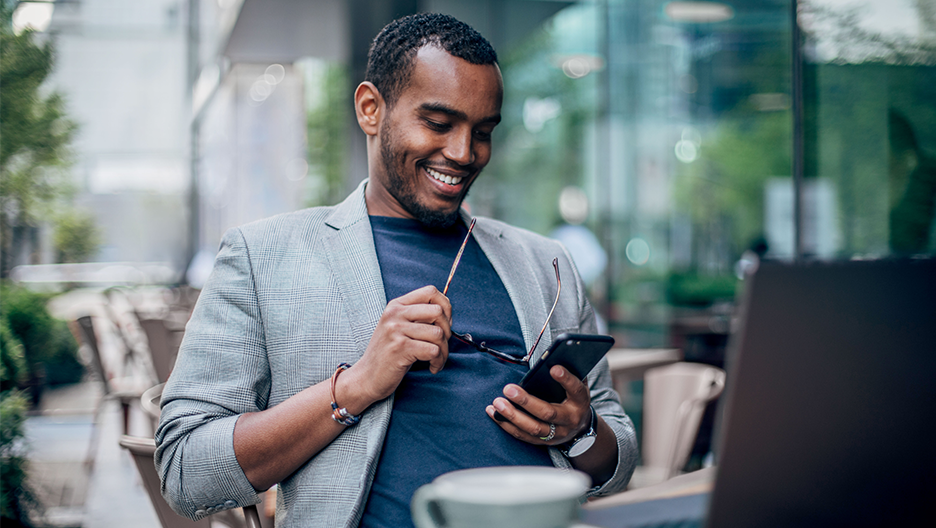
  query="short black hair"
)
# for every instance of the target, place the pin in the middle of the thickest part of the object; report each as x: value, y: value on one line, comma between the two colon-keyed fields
x: 393, y: 52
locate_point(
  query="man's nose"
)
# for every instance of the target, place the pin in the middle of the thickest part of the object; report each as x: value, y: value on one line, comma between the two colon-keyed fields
x: 459, y: 148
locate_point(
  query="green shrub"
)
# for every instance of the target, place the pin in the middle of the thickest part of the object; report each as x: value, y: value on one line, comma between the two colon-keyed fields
x: 62, y: 365
x: 76, y: 236
x: 49, y: 349
x: 13, y: 369
x: 16, y: 499
x: 692, y: 289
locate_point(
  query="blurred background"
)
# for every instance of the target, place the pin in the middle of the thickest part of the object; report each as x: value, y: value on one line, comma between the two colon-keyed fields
x: 670, y: 145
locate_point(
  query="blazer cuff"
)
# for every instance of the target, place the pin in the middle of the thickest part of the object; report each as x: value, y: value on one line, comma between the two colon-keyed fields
x: 214, y: 481
x: 626, y: 462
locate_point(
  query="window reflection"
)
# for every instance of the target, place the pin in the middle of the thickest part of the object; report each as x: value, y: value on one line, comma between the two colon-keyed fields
x: 870, y: 110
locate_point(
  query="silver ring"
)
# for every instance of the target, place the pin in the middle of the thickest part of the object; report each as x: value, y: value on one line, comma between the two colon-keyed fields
x: 552, y: 433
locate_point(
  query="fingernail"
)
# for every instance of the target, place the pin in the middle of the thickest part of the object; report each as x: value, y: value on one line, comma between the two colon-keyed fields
x: 511, y: 391
x: 489, y: 410
x: 500, y: 405
x: 559, y: 372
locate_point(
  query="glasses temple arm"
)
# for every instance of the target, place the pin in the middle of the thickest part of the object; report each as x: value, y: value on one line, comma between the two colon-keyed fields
x: 555, y: 263
x: 458, y: 256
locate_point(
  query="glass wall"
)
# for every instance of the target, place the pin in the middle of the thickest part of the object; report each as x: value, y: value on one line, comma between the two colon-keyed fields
x: 870, y: 73
x: 657, y: 139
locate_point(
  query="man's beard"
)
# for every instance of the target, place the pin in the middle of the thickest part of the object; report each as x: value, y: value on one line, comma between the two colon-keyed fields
x: 403, y: 190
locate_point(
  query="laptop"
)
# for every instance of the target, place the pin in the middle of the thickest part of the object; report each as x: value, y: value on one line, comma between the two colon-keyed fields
x: 829, y: 413
x: 829, y: 417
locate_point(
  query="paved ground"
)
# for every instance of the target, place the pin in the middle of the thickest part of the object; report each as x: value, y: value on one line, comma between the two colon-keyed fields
x: 77, y: 468
x: 105, y: 492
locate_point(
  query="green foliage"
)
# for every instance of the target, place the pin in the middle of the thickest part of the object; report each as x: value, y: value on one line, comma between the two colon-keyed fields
x: 16, y: 499
x: 34, y: 134
x: 13, y: 369
x: 875, y: 126
x: 62, y: 365
x: 12, y: 417
x: 723, y: 190
x: 76, y: 236
x: 48, y: 346
x: 692, y: 289
x: 326, y: 132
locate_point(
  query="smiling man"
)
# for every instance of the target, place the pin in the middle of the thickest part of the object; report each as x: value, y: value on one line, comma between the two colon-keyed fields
x: 323, y: 356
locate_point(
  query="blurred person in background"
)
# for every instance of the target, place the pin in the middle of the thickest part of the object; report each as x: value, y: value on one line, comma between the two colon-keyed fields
x: 296, y: 371
x: 912, y: 190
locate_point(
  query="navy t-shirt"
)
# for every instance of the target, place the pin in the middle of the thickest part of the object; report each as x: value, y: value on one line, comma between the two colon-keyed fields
x: 439, y: 423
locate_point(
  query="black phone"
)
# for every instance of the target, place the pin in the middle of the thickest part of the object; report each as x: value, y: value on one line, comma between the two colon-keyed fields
x: 578, y: 353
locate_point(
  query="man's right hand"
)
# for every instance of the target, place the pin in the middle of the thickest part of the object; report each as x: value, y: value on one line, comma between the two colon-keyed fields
x: 413, y: 327
x: 271, y: 444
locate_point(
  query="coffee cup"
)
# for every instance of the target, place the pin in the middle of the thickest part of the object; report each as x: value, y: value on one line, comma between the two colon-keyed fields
x: 510, y: 496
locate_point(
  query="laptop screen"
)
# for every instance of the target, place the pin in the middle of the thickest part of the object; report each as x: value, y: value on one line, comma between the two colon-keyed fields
x: 829, y: 415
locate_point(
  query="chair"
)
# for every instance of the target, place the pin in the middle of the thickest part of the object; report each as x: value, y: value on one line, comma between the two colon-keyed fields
x: 149, y: 401
x: 142, y: 450
x: 151, y: 338
x: 675, y: 397
x: 163, y: 346
x: 122, y: 312
x: 124, y: 390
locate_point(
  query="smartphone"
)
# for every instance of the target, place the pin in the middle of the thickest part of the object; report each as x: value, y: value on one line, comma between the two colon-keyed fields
x: 578, y: 353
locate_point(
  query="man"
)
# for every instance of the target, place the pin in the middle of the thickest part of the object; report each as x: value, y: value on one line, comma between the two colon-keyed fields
x: 293, y: 340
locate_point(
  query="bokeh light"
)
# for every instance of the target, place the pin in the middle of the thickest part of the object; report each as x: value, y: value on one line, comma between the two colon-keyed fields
x: 637, y: 251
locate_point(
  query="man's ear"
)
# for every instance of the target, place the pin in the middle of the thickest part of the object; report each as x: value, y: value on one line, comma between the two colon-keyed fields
x: 368, y: 106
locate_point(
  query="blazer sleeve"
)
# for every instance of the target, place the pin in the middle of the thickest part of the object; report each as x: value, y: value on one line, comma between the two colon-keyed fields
x: 607, y: 404
x: 221, y: 372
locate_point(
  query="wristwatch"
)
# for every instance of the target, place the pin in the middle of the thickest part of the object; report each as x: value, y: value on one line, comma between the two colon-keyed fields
x: 582, y: 442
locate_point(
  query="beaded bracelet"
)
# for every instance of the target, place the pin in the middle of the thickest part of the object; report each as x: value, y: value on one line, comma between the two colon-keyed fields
x: 341, y: 415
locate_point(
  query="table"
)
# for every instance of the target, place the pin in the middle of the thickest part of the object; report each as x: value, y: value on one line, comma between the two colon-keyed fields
x: 633, y: 362
x: 700, y: 481
x: 630, y: 364
x: 681, y: 501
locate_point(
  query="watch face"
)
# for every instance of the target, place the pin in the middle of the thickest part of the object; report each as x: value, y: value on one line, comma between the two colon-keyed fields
x: 582, y: 445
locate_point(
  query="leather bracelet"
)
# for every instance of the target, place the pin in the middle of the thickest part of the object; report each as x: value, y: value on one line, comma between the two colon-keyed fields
x: 340, y: 414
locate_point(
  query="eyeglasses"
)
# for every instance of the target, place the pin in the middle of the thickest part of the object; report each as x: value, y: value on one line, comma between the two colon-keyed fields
x: 481, y: 347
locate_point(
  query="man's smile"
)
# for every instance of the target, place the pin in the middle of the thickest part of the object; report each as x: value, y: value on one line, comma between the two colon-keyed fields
x: 451, y: 180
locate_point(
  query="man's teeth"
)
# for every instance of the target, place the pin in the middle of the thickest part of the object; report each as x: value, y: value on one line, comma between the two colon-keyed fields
x: 451, y: 180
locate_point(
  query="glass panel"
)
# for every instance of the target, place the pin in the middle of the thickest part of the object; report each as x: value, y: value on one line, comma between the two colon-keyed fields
x: 666, y: 136
x: 871, y: 125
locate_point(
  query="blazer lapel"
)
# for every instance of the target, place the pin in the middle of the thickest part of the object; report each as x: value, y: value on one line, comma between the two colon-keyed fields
x: 523, y: 284
x: 353, y: 260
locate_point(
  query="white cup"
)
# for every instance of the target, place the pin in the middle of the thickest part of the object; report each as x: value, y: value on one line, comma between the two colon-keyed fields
x: 495, y: 497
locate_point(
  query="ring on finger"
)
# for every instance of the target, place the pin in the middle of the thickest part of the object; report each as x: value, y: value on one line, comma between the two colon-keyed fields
x: 552, y: 433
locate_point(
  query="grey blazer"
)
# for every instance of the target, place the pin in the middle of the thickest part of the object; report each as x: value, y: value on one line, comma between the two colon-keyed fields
x: 291, y: 297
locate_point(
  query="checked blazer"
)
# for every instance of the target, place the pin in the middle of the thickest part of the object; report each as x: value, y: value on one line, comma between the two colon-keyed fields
x: 289, y: 298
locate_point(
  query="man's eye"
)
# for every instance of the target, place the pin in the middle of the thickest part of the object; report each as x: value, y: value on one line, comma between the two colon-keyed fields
x: 435, y: 125
x: 482, y: 135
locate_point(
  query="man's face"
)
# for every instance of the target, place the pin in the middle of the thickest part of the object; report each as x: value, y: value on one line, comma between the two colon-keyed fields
x: 436, y: 138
